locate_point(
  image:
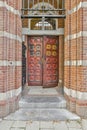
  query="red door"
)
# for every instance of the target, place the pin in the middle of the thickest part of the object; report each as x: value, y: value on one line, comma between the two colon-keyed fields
x: 35, y: 61
x: 50, y: 70
x: 43, y: 61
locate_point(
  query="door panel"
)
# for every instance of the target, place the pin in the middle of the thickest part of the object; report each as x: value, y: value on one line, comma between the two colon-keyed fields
x: 34, y: 61
x: 50, y: 74
x: 43, y: 61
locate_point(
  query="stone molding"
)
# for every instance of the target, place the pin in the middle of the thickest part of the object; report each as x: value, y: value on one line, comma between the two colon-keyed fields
x: 75, y: 94
x: 75, y: 63
x: 10, y: 63
x: 11, y: 36
x: 26, y: 31
x: 80, y: 5
x: 10, y: 94
x: 9, y: 8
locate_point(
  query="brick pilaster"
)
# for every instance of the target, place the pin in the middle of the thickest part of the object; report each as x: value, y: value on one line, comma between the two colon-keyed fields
x: 10, y: 55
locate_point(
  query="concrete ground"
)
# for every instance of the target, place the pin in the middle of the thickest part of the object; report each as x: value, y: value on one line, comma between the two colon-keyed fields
x: 42, y: 125
x: 42, y: 109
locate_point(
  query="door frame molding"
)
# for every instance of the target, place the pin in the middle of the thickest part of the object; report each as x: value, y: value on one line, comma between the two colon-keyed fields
x: 27, y: 31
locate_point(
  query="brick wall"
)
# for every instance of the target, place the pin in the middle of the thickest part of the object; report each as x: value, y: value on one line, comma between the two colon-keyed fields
x: 75, y: 55
x: 10, y: 55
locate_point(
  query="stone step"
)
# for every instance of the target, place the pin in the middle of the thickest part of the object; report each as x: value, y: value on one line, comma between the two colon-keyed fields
x: 42, y: 115
x: 42, y: 102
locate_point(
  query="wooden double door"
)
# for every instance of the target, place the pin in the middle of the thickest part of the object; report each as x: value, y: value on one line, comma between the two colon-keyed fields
x: 43, y: 61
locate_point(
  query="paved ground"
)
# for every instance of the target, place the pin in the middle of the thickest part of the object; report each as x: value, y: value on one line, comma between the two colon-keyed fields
x: 41, y: 125
x: 42, y: 109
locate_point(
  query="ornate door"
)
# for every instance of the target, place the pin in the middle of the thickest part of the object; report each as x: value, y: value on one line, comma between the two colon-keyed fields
x: 50, y: 70
x: 43, y: 61
x: 35, y: 61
